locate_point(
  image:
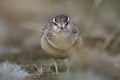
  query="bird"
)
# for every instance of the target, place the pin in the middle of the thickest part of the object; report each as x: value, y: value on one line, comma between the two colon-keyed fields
x: 60, y: 37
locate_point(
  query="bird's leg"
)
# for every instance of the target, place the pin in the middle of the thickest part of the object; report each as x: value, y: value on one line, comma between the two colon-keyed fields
x: 56, y: 67
x: 68, y: 66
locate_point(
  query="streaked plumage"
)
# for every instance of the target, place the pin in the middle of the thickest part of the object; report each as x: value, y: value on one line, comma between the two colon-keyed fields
x: 60, y: 37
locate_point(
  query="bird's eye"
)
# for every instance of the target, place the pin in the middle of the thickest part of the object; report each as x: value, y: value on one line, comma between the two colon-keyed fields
x: 55, y: 24
x: 66, y: 24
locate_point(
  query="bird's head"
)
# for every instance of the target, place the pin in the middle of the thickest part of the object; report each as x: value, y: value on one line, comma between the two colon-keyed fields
x: 60, y: 22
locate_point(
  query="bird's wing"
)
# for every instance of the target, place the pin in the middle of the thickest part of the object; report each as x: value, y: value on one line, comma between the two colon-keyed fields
x: 76, y: 27
x: 79, y: 30
x: 43, y: 30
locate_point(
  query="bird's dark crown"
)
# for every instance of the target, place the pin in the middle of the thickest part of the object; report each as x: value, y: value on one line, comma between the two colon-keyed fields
x: 61, y: 18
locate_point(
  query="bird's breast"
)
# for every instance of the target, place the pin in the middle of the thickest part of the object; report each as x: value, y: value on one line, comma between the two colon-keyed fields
x: 61, y: 41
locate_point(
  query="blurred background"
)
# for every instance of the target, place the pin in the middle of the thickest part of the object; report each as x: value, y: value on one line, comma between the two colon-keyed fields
x: 22, y: 20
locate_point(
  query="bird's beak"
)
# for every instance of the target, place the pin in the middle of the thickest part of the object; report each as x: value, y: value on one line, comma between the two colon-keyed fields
x: 61, y: 26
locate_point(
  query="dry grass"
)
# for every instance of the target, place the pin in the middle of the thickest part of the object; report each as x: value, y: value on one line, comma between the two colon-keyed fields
x: 21, y: 23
